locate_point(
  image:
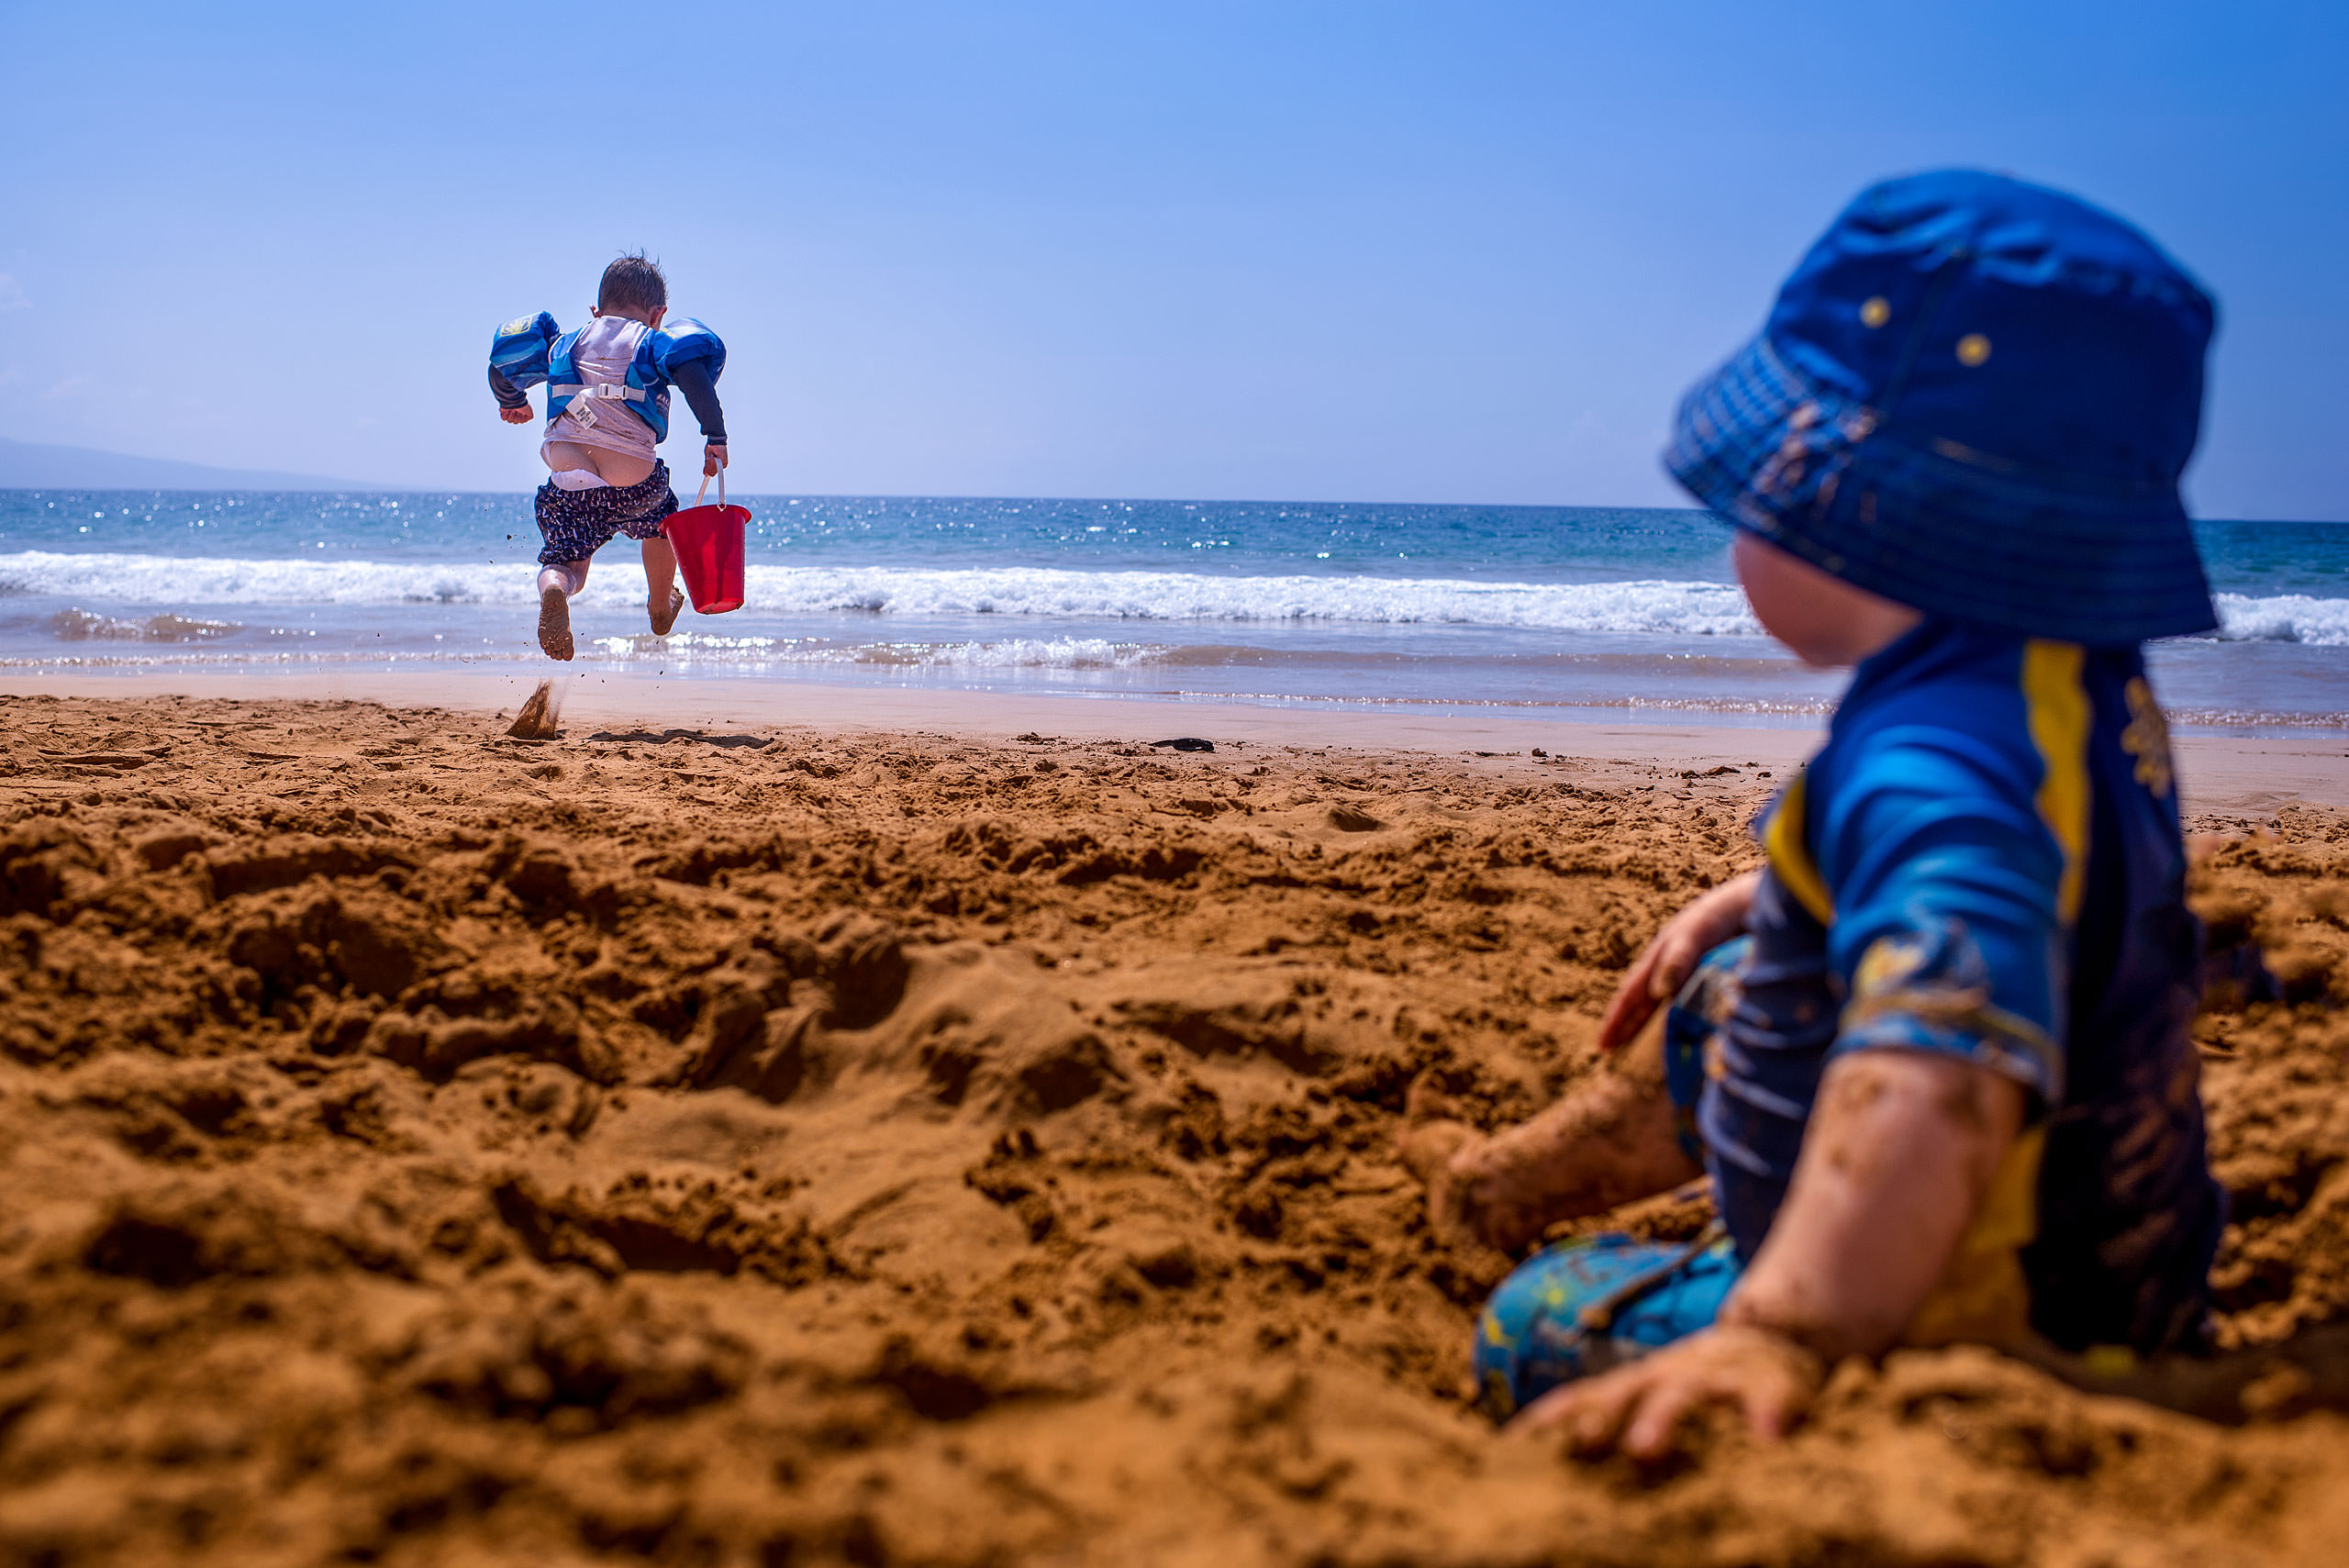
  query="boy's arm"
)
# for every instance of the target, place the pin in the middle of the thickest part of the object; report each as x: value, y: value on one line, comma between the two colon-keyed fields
x: 517, y: 359
x: 693, y: 379
x: 1901, y: 1153
x: 513, y: 403
x: 1665, y: 963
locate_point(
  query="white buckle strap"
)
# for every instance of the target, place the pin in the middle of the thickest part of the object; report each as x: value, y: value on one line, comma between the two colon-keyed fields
x: 581, y: 394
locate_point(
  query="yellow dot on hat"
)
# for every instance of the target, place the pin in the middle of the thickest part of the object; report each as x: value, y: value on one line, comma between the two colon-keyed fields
x: 1973, y: 349
x: 1875, y: 312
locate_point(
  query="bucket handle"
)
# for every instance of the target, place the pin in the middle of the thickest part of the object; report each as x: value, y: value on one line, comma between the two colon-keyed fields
x: 705, y: 487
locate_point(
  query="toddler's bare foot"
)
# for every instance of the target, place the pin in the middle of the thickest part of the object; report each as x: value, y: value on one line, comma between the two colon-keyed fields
x: 1446, y: 1154
x: 1492, y: 1191
x: 554, y: 622
x: 1430, y: 1151
x: 664, y: 618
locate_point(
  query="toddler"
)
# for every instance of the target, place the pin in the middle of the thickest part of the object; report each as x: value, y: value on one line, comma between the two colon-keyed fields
x: 607, y: 407
x: 1934, y: 1058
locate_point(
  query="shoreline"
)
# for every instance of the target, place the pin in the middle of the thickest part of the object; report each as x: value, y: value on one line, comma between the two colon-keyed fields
x: 2225, y: 775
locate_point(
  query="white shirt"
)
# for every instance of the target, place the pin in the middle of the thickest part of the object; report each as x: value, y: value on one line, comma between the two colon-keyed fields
x: 605, y: 349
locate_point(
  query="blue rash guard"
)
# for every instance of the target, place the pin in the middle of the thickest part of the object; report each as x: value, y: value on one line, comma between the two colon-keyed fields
x: 1984, y: 862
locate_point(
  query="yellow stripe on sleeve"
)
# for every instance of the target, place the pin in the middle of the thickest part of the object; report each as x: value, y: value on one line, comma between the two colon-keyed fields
x: 1791, y: 854
x: 2058, y: 707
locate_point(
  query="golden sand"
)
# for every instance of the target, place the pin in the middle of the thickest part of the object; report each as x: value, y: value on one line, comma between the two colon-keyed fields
x: 765, y: 1147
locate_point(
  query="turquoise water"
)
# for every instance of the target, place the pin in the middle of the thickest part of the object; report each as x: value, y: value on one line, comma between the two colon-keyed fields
x: 1619, y: 610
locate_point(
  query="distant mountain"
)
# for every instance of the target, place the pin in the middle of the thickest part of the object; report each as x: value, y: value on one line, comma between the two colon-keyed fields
x: 27, y: 466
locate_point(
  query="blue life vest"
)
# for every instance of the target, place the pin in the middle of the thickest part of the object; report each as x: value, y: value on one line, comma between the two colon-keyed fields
x: 531, y: 349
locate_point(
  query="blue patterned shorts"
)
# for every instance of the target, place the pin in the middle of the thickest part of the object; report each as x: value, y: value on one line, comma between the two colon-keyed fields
x: 1580, y: 1308
x: 577, y: 523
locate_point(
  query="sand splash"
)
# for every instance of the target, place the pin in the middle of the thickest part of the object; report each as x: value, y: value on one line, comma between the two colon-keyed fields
x: 542, y: 712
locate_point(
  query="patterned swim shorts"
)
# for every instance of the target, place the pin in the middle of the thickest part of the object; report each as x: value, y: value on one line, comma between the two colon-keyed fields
x: 577, y: 523
x: 1578, y: 1308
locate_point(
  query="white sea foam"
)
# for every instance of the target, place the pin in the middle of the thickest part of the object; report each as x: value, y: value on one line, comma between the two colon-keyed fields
x: 1657, y: 606
x: 1016, y: 653
x: 686, y: 649
x: 2283, y: 617
x: 681, y: 652
x: 1688, y: 608
x: 173, y: 580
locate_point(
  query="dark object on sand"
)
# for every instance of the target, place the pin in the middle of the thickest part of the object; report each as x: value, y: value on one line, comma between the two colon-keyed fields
x: 1353, y: 820
x: 675, y: 737
x: 1186, y: 744
x: 537, y: 719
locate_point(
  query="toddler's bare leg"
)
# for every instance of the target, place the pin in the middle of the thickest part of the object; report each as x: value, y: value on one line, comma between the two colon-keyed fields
x: 1610, y: 1141
x: 662, y: 600
x: 556, y: 584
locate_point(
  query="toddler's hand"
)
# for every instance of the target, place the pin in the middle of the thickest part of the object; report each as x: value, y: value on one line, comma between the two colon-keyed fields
x: 1767, y: 1377
x: 713, y: 458
x: 1665, y: 965
x: 515, y: 416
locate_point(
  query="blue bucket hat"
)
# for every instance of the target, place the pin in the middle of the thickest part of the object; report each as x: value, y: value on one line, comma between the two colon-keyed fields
x: 1974, y: 397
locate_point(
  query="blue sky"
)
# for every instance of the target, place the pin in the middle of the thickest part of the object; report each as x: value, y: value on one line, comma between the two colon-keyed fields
x: 1452, y: 252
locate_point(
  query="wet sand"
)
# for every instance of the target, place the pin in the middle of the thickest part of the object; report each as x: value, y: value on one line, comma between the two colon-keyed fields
x: 2245, y: 776
x: 880, y: 1137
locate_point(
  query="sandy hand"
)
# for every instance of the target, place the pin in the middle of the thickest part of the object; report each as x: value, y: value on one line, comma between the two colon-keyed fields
x: 1665, y: 963
x: 516, y: 416
x: 1766, y: 1377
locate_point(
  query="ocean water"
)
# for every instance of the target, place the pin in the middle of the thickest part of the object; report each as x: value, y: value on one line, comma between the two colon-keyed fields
x: 1587, y: 611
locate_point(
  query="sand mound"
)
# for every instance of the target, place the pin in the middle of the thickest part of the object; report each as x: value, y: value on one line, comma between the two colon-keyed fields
x: 421, y: 1147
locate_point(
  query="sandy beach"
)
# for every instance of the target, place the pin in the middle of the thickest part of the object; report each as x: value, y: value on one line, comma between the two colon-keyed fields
x: 944, y: 1127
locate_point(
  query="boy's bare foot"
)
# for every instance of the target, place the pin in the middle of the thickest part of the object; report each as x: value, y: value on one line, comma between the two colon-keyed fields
x: 663, y: 619
x: 1610, y: 1141
x: 554, y: 622
x: 1428, y: 1150
x: 1454, y: 1160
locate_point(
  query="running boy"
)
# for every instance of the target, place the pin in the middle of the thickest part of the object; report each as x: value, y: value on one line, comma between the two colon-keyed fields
x: 1934, y: 1056
x: 607, y: 406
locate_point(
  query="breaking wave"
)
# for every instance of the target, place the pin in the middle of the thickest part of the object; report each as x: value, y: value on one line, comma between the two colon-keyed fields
x: 2283, y: 617
x: 686, y: 649
x: 1653, y: 606
x: 1685, y: 607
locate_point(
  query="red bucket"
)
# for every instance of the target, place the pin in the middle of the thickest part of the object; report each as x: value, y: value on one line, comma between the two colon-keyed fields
x: 708, y: 542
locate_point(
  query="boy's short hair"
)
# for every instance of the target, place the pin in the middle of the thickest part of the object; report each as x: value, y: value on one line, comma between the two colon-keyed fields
x: 633, y: 282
